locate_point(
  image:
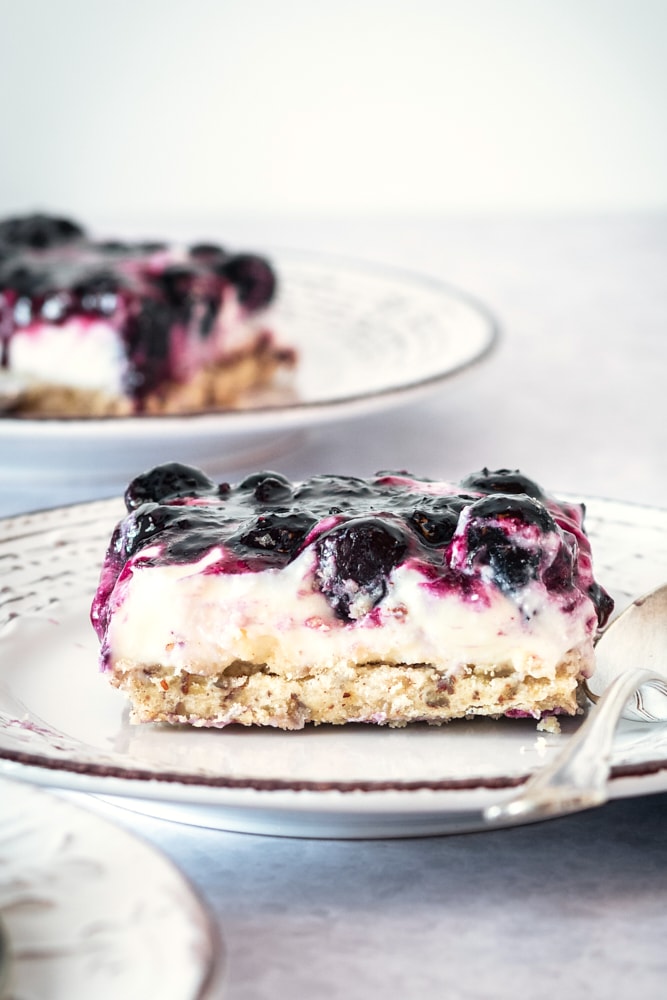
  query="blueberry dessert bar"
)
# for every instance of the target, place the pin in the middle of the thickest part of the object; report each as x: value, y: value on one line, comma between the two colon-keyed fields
x: 389, y: 600
x: 110, y: 328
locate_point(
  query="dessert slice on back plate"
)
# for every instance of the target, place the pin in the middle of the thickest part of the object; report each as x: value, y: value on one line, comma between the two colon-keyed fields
x: 388, y: 600
x: 90, y: 328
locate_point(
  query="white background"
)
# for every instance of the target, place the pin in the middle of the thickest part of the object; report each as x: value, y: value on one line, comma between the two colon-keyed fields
x: 195, y: 109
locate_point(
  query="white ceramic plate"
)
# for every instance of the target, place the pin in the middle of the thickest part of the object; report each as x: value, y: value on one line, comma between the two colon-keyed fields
x: 62, y: 724
x: 368, y: 338
x: 91, y: 911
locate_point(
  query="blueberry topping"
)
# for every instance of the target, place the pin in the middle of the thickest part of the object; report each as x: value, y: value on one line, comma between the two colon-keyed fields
x: 184, y: 533
x: 436, y: 518
x: 169, y: 482
x: 354, y: 561
x: 512, y: 566
x: 265, y: 520
x: 177, y: 285
x: 502, y: 481
x: 350, y: 494
x: 520, y: 509
x: 494, y: 538
x: 148, y: 348
x: 21, y: 279
x: 209, y: 315
x: 114, y: 247
x: 208, y: 252
x: 560, y: 574
x: 253, y: 277
x: 604, y: 604
x: 267, y: 487
x: 97, y: 293
x: 38, y: 232
x: 277, y: 533
x: 177, y: 280
x: 53, y: 272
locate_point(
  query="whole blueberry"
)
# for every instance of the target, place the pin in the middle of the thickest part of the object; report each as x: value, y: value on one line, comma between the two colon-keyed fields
x: 435, y: 518
x: 494, y: 538
x: 253, y: 277
x: 519, y: 508
x: 512, y: 565
x: 38, y: 231
x: 267, y: 487
x: 354, y: 561
x: 208, y: 253
x: 502, y: 481
x: 169, y: 482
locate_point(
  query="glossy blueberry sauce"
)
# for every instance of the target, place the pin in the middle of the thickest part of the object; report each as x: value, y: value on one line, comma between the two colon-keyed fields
x: 462, y: 538
x: 51, y: 272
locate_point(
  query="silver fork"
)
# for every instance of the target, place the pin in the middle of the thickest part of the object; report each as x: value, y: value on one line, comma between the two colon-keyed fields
x: 577, y: 778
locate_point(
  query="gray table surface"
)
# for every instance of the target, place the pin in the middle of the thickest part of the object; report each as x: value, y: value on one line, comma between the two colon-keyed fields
x: 574, y: 395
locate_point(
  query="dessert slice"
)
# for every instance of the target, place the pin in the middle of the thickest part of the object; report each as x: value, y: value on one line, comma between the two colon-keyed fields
x: 95, y: 328
x: 387, y: 600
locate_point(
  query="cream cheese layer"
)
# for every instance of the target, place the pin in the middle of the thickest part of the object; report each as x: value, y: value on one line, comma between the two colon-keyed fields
x: 187, y: 618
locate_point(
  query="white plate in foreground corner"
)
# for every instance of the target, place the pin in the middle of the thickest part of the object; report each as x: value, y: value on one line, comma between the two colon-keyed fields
x: 368, y: 338
x: 61, y: 723
x: 90, y: 911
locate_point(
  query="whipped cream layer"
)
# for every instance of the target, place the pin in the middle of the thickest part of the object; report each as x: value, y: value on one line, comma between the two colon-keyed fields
x: 87, y: 353
x: 190, y: 619
x: 82, y: 353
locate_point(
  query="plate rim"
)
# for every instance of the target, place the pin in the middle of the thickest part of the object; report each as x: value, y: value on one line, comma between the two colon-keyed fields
x: 267, y: 786
x: 74, y: 812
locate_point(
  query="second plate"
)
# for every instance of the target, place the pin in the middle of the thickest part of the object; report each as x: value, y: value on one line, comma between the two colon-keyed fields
x: 368, y: 338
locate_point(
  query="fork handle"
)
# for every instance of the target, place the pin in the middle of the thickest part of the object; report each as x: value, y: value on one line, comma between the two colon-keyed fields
x: 577, y: 778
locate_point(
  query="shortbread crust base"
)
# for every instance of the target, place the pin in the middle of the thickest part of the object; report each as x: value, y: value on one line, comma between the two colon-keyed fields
x: 381, y: 693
